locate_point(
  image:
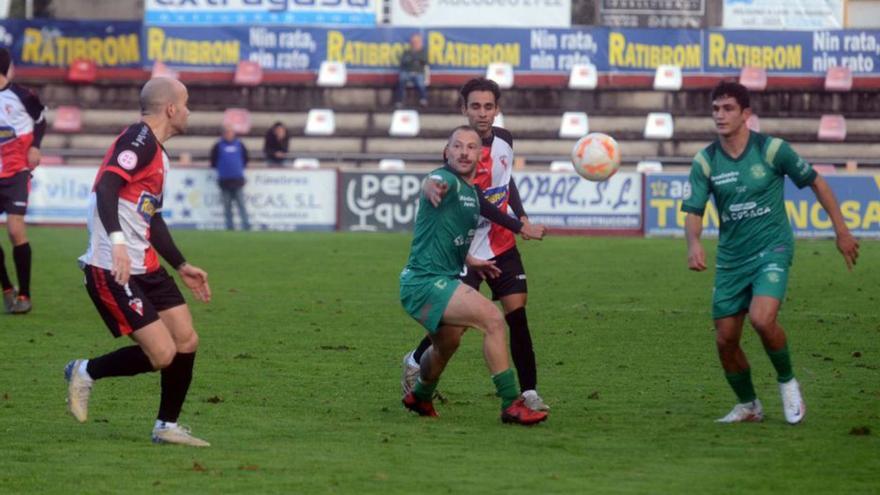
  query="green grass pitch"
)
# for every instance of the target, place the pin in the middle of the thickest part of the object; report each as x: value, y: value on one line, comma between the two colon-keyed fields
x: 297, y: 379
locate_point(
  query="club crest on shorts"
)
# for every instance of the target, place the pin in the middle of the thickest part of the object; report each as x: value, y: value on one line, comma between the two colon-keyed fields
x: 136, y: 305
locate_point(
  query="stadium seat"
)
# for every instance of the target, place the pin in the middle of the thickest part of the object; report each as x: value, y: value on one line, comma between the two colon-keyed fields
x: 583, y: 76
x: 248, y: 73
x: 404, y: 123
x: 162, y: 70
x: 320, y: 122
x: 499, y: 120
x: 658, y: 126
x: 239, y: 119
x: 561, y: 166
x: 68, y: 118
x: 824, y: 168
x: 82, y: 71
x: 754, y: 123
x: 838, y: 79
x: 753, y: 78
x: 832, y: 128
x: 306, y: 164
x: 667, y: 78
x: 574, y: 125
x: 52, y: 160
x: 391, y: 164
x: 332, y: 74
x: 649, y: 166
x: 501, y: 73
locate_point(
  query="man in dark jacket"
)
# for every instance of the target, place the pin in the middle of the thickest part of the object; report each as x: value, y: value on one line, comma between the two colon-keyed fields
x: 230, y: 157
x: 413, y: 63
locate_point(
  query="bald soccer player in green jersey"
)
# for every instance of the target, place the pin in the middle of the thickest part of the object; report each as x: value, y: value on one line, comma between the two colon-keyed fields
x: 745, y: 172
x: 431, y: 292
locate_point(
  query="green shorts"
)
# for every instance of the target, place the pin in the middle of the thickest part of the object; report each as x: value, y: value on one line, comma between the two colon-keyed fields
x: 425, y: 297
x: 735, y: 287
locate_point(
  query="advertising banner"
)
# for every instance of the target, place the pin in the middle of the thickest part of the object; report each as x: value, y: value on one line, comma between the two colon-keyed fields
x: 783, y: 14
x: 250, y: 12
x: 481, y: 13
x: 859, y: 198
x: 644, y: 49
x: 653, y: 13
x: 275, y: 199
x: 378, y: 201
x: 567, y: 201
x: 52, y: 43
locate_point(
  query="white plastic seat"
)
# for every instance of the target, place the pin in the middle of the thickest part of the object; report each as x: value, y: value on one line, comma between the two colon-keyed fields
x: 648, y: 166
x: 583, y: 76
x: 390, y: 164
x: 320, y: 122
x: 404, y: 123
x: 574, y: 125
x: 501, y: 73
x: 667, y: 78
x: 658, y: 125
x: 332, y: 74
x: 306, y: 164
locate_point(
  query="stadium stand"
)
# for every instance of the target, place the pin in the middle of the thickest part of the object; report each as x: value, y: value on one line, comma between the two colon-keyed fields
x: 573, y: 125
x: 248, y: 73
x: 68, y: 118
x: 659, y: 125
x: 306, y: 164
x: 649, y: 166
x: 239, y: 119
x: 82, y: 71
x: 320, y: 122
x: 332, y: 74
x: 404, y: 123
x: 832, y: 128
x: 838, y: 79
x: 668, y: 78
x: 389, y: 164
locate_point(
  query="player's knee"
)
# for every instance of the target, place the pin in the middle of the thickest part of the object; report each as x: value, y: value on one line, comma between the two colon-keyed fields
x: 495, y: 324
x: 762, y: 322
x: 188, y: 344
x: 163, y: 357
x: 725, y: 341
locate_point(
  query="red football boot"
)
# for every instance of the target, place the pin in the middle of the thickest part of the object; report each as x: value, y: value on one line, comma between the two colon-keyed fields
x: 520, y: 414
x: 423, y: 408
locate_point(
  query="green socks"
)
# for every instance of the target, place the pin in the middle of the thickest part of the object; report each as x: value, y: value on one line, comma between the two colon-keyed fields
x: 741, y: 383
x: 424, y: 391
x: 781, y: 360
x: 505, y: 387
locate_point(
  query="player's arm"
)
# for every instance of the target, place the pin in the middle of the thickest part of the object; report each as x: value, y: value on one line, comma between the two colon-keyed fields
x: 846, y: 243
x: 515, y: 203
x: 107, y: 199
x: 494, y: 215
x: 694, y: 205
x: 434, y: 187
x: 195, y: 278
x: 36, y: 110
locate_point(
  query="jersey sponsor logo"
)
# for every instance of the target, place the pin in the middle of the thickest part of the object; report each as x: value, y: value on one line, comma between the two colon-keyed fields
x: 127, y: 159
x: 147, y: 206
x: 725, y: 178
x: 758, y: 171
x: 496, y: 195
x: 7, y: 134
x: 136, y: 305
x: 141, y: 138
x: 441, y: 284
x: 739, y: 211
x: 468, y: 201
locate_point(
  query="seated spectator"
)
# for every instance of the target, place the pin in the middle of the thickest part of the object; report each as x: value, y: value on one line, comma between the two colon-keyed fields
x: 413, y: 64
x: 276, y: 145
x: 230, y: 158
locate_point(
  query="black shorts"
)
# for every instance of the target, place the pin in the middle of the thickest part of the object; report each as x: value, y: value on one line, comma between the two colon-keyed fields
x: 511, y: 281
x: 14, y: 193
x: 126, y: 308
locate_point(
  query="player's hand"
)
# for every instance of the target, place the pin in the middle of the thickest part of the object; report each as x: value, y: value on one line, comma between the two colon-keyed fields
x: 484, y: 268
x: 849, y: 248
x: 529, y: 231
x: 696, y: 257
x: 121, y: 264
x: 435, y: 191
x: 33, y: 157
x: 197, y: 280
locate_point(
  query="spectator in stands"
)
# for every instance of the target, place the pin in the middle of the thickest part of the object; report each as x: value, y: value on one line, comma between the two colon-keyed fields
x: 230, y: 157
x: 276, y: 145
x: 413, y: 67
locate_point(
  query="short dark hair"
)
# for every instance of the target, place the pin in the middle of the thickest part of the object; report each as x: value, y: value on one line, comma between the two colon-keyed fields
x: 5, y: 61
x: 733, y: 90
x: 479, y: 84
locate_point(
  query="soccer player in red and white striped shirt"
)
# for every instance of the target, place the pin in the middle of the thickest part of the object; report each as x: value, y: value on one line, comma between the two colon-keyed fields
x: 132, y: 292
x: 22, y: 126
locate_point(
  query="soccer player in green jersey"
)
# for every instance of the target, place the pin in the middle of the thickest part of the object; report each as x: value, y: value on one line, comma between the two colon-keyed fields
x: 431, y: 292
x: 745, y: 172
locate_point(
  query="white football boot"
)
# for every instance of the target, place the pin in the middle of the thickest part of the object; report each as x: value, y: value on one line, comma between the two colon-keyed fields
x: 792, y: 403
x: 176, y: 434
x: 751, y: 412
x: 533, y: 401
x: 79, y: 388
x: 410, y: 373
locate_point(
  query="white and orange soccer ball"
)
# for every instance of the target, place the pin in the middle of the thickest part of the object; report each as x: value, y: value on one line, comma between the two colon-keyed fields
x: 596, y: 157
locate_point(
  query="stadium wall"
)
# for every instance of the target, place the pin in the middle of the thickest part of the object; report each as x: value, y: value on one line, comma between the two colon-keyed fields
x: 360, y: 201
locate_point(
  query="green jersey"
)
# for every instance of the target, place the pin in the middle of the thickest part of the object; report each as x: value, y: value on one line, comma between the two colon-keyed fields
x: 748, y: 194
x: 443, y: 234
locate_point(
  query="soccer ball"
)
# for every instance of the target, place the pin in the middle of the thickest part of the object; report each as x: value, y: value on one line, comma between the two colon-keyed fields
x: 596, y: 156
